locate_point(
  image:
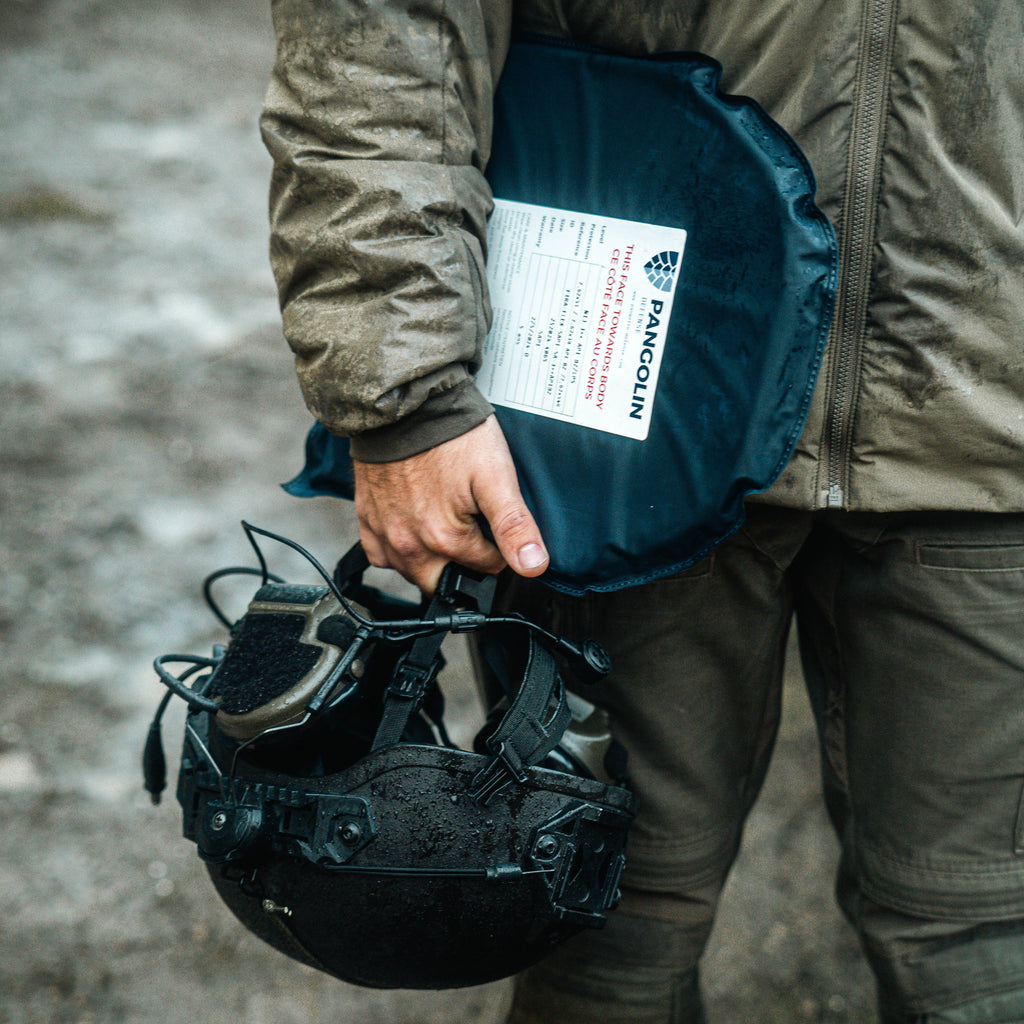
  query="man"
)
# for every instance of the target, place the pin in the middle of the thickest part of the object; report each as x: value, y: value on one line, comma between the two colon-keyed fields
x: 896, y: 533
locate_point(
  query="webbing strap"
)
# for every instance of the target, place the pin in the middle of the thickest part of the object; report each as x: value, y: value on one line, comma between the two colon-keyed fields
x: 417, y: 670
x: 351, y: 566
x: 413, y: 676
x: 529, y: 731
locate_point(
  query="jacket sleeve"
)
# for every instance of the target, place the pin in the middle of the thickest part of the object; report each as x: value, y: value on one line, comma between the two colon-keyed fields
x: 378, y: 119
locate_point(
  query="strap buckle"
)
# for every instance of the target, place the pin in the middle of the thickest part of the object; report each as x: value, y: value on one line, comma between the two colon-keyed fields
x: 410, y: 681
x: 504, y: 768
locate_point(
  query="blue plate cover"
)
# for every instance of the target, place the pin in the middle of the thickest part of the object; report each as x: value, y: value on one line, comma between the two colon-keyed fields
x: 653, y: 140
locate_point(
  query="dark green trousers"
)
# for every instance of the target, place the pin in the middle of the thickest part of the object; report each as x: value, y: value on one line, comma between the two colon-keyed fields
x: 911, y: 631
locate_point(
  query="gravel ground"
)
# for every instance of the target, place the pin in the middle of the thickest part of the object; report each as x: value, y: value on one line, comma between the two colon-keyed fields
x: 147, y: 405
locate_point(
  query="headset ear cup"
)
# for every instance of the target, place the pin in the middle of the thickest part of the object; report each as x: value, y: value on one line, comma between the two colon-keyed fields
x: 293, y: 645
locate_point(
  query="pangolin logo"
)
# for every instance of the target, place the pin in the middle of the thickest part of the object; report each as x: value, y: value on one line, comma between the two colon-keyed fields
x: 661, y: 270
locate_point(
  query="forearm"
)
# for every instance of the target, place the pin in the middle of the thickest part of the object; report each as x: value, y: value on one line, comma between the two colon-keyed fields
x: 378, y: 118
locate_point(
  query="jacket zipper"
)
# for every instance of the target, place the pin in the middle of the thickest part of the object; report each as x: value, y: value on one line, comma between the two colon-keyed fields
x: 859, y: 217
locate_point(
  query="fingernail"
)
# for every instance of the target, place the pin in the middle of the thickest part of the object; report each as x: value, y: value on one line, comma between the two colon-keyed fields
x: 532, y: 555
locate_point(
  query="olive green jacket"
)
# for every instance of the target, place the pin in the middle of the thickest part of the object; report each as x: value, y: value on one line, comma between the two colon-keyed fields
x: 378, y: 118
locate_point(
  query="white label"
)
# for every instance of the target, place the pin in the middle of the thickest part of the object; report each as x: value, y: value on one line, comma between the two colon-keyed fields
x: 581, y: 310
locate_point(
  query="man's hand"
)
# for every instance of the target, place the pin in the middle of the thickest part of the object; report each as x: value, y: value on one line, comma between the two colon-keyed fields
x: 418, y: 514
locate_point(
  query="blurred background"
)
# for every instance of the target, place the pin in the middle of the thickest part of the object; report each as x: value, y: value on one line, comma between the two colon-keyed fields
x: 147, y: 405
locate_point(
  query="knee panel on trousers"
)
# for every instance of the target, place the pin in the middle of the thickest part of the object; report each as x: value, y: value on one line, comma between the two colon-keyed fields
x: 931, y: 971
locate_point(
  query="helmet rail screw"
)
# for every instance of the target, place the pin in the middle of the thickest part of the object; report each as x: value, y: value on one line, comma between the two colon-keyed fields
x: 218, y: 821
x: 546, y: 846
x: 350, y: 833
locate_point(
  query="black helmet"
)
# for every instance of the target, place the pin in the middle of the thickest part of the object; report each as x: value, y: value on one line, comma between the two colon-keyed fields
x: 341, y: 825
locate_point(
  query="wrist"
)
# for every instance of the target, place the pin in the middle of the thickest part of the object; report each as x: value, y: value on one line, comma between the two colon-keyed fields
x: 440, y: 418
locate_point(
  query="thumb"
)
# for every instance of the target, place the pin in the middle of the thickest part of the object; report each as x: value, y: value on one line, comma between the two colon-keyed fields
x: 513, y: 527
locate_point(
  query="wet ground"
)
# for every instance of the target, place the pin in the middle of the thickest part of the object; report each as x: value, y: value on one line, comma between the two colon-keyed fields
x: 147, y: 405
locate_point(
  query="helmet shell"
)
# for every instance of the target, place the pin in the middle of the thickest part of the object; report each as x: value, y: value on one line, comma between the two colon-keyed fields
x: 388, y: 874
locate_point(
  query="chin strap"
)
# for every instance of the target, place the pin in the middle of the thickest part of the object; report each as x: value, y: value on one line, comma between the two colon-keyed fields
x: 531, y: 728
x: 538, y: 714
x: 457, y: 589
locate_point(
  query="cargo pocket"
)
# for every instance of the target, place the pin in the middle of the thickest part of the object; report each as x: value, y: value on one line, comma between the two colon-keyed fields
x: 995, y: 562
x: 939, y: 723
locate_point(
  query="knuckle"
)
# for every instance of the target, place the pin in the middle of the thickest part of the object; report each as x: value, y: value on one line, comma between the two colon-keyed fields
x: 435, y: 538
x: 405, y: 544
x: 512, y: 521
x: 371, y: 546
x: 463, y: 542
x: 364, y: 515
x: 449, y: 538
x: 376, y: 558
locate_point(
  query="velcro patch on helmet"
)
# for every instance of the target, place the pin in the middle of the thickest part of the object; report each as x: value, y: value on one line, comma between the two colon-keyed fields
x: 265, y: 660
